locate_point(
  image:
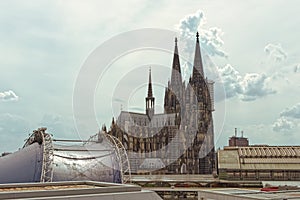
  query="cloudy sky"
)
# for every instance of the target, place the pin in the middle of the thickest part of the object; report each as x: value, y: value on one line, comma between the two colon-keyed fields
x: 251, y: 46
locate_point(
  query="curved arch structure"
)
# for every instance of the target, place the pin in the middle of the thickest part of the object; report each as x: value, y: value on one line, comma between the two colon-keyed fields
x: 43, y: 159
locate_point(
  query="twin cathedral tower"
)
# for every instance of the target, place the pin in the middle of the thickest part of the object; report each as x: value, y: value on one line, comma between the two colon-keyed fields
x: 181, y: 139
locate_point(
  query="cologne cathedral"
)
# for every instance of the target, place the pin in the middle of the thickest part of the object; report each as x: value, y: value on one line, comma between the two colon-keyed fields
x: 181, y: 139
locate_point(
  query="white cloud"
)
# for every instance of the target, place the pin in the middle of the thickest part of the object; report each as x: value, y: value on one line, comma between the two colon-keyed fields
x: 212, y: 42
x: 289, y: 120
x: 248, y: 87
x: 8, y: 96
x: 254, y: 86
x: 231, y: 79
x: 276, y: 52
x: 210, y: 39
x: 293, y: 112
x: 283, y: 125
x: 188, y: 26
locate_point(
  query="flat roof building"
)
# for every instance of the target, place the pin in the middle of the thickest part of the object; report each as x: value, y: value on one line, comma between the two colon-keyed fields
x: 259, y: 163
x: 245, y: 194
x: 75, y: 190
x: 238, y: 141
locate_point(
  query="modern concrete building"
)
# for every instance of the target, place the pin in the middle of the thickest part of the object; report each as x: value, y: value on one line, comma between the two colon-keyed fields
x: 181, y: 138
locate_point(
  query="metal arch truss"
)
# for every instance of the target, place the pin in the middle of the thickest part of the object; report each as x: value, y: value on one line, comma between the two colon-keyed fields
x: 47, y: 167
x: 122, y: 158
x: 45, y: 140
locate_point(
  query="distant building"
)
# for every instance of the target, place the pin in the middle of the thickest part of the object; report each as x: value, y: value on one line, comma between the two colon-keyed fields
x: 259, y: 163
x: 180, y: 140
x: 241, y: 161
x: 246, y: 194
x: 238, y: 141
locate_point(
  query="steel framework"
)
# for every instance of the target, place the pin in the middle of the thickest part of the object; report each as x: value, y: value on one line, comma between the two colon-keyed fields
x: 45, y: 140
x: 120, y: 150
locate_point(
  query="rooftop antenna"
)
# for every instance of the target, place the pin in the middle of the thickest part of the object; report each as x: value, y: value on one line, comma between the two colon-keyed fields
x: 235, y: 132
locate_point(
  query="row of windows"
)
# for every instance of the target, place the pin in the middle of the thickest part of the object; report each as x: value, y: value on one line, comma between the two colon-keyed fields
x: 145, y: 122
x: 276, y: 175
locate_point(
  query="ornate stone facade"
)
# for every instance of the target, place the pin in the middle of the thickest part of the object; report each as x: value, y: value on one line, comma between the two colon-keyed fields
x: 180, y: 140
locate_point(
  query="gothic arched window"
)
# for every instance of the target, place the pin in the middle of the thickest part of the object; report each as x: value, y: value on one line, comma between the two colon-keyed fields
x: 173, y: 101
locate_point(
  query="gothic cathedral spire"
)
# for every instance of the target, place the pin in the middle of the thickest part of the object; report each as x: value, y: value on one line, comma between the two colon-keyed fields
x: 198, y: 65
x: 176, y: 78
x: 174, y: 92
x: 150, y: 94
x: 150, y: 99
